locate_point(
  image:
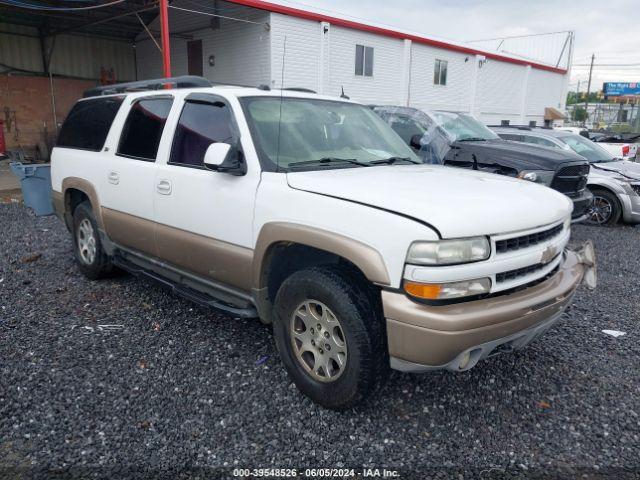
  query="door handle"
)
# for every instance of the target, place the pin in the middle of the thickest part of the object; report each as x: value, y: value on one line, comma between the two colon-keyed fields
x: 114, y: 177
x: 164, y: 187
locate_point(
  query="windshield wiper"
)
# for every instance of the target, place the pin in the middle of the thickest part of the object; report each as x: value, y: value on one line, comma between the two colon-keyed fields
x: 329, y: 160
x: 393, y: 160
x: 472, y: 139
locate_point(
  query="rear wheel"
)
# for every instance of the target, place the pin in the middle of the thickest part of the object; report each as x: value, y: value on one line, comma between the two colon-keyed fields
x: 606, y: 209
x: 330, y: 334
x: 90, y: 256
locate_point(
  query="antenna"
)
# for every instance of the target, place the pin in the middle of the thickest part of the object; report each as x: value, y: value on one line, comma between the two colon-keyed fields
x: 284, y: 51
x: 342, y: 95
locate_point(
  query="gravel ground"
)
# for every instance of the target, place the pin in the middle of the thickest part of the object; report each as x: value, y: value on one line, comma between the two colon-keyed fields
x: 168, y: 386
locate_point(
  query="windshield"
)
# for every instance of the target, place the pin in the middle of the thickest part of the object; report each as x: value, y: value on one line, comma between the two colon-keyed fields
x: 586, y: 148
x: 319, y: 134
x: 462, y: 126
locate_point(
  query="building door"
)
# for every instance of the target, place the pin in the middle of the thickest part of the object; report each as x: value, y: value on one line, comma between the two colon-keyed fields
x: 194, y: 57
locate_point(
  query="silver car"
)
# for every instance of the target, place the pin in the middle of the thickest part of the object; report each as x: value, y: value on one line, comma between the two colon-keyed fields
x: 615, y: 182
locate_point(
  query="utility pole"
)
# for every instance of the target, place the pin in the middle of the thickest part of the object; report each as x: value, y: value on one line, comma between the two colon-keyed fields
x: 164, y: 34
x: 586, y: 100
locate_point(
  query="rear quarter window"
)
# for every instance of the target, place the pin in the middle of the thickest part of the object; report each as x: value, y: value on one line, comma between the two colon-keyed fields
x: 88, y: 123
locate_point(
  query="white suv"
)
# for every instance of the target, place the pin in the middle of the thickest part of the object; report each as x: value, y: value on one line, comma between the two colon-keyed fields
x: 310, y: 213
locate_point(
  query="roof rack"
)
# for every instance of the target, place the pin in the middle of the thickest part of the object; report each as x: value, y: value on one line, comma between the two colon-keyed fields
x: 184, y: 81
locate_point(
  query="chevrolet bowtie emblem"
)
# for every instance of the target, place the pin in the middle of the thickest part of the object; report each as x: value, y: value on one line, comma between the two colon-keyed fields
x: 549, y: 254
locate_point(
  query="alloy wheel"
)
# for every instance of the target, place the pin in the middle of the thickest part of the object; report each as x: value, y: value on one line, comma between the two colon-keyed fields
x: 318, y: 341
x: 86, y: 242
x: 600, y: 211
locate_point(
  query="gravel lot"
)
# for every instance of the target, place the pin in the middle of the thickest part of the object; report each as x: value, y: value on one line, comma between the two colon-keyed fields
x: 169, y: 385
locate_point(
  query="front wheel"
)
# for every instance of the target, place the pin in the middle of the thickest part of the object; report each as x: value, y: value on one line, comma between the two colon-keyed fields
x: 330, y: 335
x: 605, y: 210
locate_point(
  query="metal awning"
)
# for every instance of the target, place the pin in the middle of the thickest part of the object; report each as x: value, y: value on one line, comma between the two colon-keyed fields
x: 117, y: 22
x: 551, y: 113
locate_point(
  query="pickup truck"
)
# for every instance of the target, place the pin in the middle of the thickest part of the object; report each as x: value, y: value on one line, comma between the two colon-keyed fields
x: 460, y: 140
x: 310, y: 213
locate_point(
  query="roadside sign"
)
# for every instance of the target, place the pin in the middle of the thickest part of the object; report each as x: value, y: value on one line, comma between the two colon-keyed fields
x: 617, y: 89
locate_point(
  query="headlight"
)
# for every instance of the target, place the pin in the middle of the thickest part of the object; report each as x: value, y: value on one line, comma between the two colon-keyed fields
x: 544, y: 177
x: 449, y: 252
x: 448, y: 291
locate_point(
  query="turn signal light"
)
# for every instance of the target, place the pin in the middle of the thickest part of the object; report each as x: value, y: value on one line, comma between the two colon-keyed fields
x: 446, y: 291
x: 430, y: 291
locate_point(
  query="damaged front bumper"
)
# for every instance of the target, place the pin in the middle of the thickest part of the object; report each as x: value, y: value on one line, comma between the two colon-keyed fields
x: 455, y: 337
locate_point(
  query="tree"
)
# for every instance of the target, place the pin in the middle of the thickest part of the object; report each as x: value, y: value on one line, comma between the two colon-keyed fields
x: 579, y: 114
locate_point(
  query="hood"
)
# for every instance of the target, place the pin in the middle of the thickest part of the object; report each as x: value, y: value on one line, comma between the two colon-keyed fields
x: 457, y: 202
x: 624, y: 167
x: 522, y: 155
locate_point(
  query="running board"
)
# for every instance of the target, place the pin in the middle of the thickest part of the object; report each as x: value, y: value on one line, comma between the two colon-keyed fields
x: 202, y: 298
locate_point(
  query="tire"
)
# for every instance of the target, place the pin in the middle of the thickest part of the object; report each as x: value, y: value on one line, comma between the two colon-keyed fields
x: 324, y: 296
x: 90, y: 256
x: 606, y: 209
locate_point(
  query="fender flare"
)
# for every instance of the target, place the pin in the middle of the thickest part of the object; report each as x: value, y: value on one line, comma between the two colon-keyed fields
x: 89, y: 190
x: 363, y: 256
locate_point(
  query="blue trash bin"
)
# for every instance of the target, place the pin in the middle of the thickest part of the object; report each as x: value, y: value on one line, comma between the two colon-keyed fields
x: 35, y: 181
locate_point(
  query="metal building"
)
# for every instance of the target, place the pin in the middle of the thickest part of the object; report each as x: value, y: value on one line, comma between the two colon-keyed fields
x: 247, y: 42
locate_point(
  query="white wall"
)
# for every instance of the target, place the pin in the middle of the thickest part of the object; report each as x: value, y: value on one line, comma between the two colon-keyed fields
x: 500, y: 91
x: 385, y: 86
x: 301, y: 54
x: 241, y: 49
x: 544, y: 89
x: 455, y: 95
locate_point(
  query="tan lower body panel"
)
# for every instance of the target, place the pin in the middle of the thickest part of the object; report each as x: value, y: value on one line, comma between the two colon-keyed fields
x: 57, y: 198
x: 435, y: 335
x: 210, y: 258
x: 207, y: 257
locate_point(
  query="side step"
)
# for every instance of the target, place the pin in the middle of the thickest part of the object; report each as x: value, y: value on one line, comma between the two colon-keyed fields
x: 192, y: 294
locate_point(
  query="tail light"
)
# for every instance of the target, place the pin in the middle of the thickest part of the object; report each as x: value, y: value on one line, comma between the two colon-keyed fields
x: 625, y: 150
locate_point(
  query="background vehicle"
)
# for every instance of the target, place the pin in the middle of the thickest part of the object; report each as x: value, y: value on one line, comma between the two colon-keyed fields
x: 312, y: 214
x: 615, y: 182
x: 459, y: 140
x: 619, y: 145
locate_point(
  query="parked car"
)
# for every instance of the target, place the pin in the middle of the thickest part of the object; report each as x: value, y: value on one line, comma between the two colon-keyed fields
x: 460, y: 140
x: 577, y: 130
x: 310, y: 213
x: 619, y: 145
x: 615, y: 182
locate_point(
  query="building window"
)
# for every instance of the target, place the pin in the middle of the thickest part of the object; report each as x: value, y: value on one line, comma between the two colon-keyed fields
x: 364, y: 61
x: 440, y: 72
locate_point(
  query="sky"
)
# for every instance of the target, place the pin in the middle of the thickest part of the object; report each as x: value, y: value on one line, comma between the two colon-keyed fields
x: 608, y: 29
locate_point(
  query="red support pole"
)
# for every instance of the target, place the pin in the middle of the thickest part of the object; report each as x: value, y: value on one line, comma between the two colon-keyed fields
x: 164, y: 32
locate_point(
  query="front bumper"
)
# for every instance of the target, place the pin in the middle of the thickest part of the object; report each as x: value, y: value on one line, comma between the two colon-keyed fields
x: 581, y: 203
x: 455, y: 337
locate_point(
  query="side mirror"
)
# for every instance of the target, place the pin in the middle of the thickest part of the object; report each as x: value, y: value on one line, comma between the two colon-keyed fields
x: 416, y: 141
x: 225, y: 158
x: 216, y: 154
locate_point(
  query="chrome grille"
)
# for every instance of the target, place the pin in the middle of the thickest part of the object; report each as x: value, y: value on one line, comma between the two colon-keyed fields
x: 521, y: 272
x: 516, y: 243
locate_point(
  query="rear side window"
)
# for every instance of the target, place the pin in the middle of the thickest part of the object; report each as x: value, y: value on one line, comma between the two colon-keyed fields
x: 88, y: 123
x: 200, y: 125
x: 143, y: 128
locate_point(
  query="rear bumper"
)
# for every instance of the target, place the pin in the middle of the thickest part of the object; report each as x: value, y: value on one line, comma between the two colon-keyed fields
x: 455, y: 337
